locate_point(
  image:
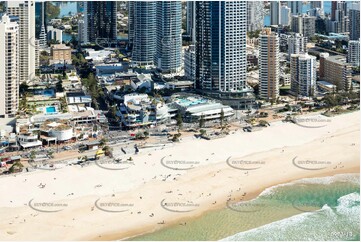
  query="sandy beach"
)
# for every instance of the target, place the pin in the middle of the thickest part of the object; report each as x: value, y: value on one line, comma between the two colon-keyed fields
x: 173, y: 185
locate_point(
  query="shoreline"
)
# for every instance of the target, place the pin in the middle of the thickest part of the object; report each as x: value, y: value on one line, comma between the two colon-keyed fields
x: 80, y: 221
x: 253, y: 195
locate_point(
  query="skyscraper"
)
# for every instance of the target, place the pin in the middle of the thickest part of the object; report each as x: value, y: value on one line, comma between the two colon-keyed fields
x: 268, y: 62
x: 191, y: 19
x: 221, y: 59
x: 189, y: 63
x: 144, y: 33
x: 100, y: 18
x: 40, y: 8
x: 25, y: 10
x: 9, y: 67
x: 295, y: 6
x: 304, y: 24
x: 275, y: 10
x: 316, y: 4
x: 285, y: 15
x: 82, y: 35
x: 353, y: 54
x: 168, y: 55
x: 296, y: 44
x: 42, y: 36
x: 303, y: 75
x: 354, y: 24
x: 254, y: 15
x: 339, y: 19
x: 130, y: 6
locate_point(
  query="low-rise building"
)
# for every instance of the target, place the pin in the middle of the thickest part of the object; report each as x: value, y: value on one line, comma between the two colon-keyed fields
x: 60, y: 54
x: 138, y: 110
x: 194, y: 107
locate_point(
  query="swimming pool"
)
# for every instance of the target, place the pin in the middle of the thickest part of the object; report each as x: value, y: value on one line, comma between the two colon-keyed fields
x: 50, y: 109
x: 48, y: 93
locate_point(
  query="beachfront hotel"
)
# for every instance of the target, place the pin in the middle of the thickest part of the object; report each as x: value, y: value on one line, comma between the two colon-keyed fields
x: 168, y: 54
x: 142, y: 32
x: 25, y: 12
x: 269, y: 64
x: 9, y: 67
x: 303, y: 75
x: 221, y: 58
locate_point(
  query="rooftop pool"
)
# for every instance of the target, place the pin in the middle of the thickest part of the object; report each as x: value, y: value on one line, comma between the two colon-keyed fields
x: 50, y: 109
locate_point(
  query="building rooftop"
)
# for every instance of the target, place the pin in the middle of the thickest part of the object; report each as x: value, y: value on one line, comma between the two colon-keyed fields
x: 339, y: 59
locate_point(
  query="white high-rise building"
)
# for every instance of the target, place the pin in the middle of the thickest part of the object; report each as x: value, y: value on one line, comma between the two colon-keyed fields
x: 304, y: 24
x: 296, y: 44
x: 81, y: 32
x: 303, y: 75
x: 254, y: 15
x: 268, y: 63
x: 9, y: 67
x: 168, y: 52
x: 285, y: 15
x: 25, y: 10
x: 144, y: 32
x: 353, y: 55
x: 275, y: 10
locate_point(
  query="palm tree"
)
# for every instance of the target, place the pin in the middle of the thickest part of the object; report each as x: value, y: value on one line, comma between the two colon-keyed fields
x: 179, y: 121
x: 222, y: 118
x: 107, y: 151
x: 32, y: 154
x: 201, y: 122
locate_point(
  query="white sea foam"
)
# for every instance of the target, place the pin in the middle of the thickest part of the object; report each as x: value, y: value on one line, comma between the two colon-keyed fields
x: 327, y: 223
x: 351, y: 178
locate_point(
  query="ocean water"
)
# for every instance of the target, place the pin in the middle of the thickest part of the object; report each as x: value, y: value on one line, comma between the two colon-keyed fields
x: 308, y: 209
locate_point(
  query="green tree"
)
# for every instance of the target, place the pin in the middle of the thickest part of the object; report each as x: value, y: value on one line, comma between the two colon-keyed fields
x: 52, y: 11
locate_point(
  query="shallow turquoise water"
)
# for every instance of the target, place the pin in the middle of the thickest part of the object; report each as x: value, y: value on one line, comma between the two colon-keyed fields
x: 308, y: 209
